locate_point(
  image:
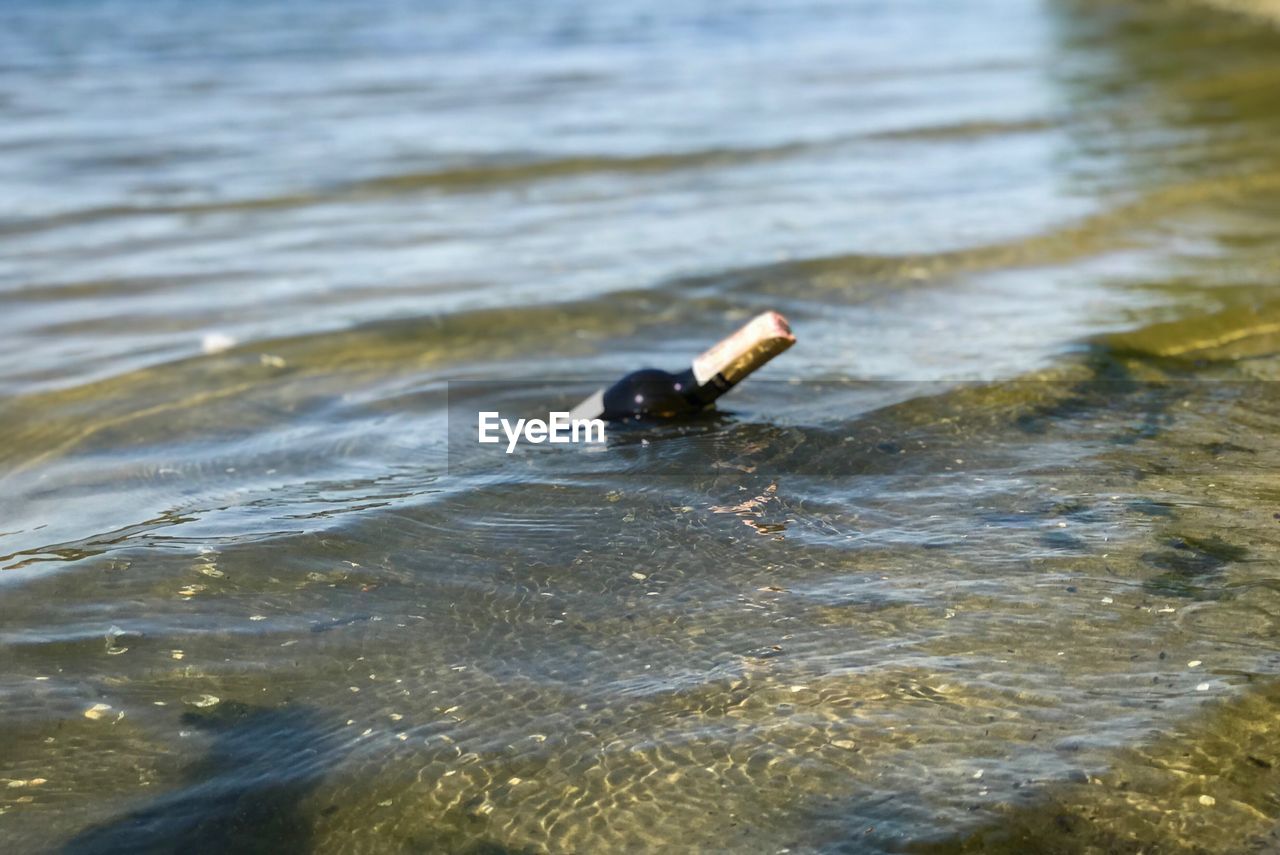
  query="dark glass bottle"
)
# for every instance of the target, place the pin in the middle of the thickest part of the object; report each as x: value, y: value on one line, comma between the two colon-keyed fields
x: 654, y: 394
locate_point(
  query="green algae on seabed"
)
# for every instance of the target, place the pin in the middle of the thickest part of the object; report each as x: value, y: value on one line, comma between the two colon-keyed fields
x: 1209, y: 787
x: 1234, y: 334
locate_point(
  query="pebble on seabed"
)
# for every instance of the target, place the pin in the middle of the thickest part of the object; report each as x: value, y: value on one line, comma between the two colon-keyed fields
x: 19, y: 783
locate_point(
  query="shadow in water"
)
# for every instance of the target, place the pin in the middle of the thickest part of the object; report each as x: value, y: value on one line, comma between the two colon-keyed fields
x: 243, y: 796
x: 247, y: 794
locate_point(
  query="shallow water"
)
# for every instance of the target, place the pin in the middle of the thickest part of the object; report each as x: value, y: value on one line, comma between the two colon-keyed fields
x: 987, y: 561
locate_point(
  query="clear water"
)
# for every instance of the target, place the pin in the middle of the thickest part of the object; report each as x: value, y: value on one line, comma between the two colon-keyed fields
x: 246, y: 601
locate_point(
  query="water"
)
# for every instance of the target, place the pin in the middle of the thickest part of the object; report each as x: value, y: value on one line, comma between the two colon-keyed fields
x: 936, y: 582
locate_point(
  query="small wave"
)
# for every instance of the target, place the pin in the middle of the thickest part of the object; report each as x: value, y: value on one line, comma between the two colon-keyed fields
x: 967, y: 130
x: 1236, y: 333
x: 461, y: 178
x: 1114, y: 228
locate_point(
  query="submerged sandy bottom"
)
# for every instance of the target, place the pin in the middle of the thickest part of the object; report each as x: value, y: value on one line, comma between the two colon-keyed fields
x: 986, y: 562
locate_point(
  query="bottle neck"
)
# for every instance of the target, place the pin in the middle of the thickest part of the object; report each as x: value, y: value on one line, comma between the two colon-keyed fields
x: 727, y: 362
x: 713, y: 373
x: 702, y: 392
